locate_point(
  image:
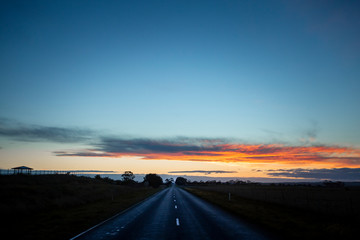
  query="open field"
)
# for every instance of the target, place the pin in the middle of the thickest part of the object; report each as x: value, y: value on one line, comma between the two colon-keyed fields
x: 61, y: 206
x: 289, y: 218
x: 334, y: 200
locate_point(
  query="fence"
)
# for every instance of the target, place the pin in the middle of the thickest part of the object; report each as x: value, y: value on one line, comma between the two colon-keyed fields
x: 46, y: 172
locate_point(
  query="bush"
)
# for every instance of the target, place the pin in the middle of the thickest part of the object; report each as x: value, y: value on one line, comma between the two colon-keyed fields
x: 181, y: 181
x: 153, y: 180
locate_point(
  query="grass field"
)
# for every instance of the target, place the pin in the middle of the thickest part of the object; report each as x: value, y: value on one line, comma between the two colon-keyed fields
x: 284, y: 220
x: 337, y: 200
x: 61, y: 206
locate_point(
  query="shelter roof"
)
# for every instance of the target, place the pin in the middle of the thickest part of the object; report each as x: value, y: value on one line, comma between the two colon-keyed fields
x: 23, y: 167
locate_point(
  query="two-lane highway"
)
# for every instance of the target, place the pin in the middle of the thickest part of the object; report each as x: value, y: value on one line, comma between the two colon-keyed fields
x: 173, y: 214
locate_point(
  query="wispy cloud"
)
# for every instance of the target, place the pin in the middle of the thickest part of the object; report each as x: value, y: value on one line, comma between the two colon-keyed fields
x: 221, y: 150
x: 81, y: 154
x: 310, y: 134
x: 342, y: 174
x: 204, y: 171
x: 33, y: 133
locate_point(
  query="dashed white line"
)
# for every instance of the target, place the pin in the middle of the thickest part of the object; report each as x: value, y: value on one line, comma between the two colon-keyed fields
x: 177, y: 222
x: 175, y: 206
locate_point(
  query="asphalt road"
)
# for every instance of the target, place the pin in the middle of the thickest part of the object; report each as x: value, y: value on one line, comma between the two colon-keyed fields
x: 173, y: 214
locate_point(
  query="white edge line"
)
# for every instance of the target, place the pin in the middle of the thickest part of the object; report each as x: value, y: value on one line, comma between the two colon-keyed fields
x: 133, y: 206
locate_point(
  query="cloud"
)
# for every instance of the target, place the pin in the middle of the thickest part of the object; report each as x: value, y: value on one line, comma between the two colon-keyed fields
x: 204, y: 171
x: 88, y: 171
x: 336, y: 174
x: 184, y: 148
x: 144, y: 146
x: 34, y: 133
x: 310, y: 134
x: 81, y: 154
x: 220, y: 150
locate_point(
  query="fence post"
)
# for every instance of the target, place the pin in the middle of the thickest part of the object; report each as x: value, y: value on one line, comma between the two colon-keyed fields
x: 229, y: 196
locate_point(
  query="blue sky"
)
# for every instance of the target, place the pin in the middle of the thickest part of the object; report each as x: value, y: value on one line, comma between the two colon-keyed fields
x: 256, y: 71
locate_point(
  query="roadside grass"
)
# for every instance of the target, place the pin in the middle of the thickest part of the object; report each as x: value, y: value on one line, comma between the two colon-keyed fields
x: 60, y: 207
x: 331, y: 200
x: 283, y: 221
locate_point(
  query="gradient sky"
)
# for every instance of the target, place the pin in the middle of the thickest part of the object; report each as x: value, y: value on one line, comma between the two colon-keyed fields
x: 239, y: 88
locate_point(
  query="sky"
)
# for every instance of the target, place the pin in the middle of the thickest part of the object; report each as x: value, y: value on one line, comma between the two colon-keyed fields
x: 242, y: 89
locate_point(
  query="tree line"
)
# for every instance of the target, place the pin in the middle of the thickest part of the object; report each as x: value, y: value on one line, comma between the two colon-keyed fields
x: 154, y: 180
x: 325, y: 183
x: 128, y: 178
x: 184, y: 181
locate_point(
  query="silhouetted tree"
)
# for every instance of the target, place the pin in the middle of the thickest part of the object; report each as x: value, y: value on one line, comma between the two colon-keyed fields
x: 104, y: 179
x: 153, y: 180
x: 181, y: 181
x: 328, y: 183
x: 108, y: 180
x: 169, y: 181
x: 128, y: 177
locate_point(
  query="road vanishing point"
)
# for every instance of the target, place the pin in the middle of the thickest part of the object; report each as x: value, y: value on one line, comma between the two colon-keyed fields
x: 173, y: 213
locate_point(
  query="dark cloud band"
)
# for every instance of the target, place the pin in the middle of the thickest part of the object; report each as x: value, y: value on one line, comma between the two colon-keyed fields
x: 339, y: 174
x: 204, y: 171
x: 33, y: 133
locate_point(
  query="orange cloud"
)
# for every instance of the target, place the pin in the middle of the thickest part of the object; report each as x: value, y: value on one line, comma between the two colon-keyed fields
x: 220, y: 151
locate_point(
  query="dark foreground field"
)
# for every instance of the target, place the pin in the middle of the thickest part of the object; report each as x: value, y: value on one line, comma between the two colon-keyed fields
x: 60, y: 206
x: 293, y: 212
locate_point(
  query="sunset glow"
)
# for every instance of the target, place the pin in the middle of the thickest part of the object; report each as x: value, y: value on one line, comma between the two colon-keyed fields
x: 234, y: 89
x: 332, y: 156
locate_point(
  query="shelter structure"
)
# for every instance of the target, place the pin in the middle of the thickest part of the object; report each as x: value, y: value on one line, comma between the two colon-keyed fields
x: 22, y: 169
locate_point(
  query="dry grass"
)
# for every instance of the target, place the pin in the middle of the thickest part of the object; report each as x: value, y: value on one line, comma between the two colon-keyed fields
x: 339, y: 201
x: 284, y: 221
x: 60, y: 206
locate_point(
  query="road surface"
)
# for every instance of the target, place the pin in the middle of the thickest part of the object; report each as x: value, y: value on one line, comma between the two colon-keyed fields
x: 173, y: 213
